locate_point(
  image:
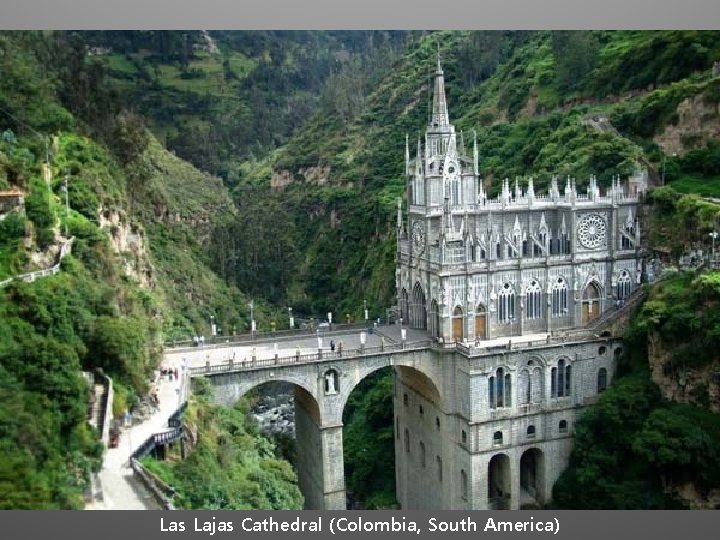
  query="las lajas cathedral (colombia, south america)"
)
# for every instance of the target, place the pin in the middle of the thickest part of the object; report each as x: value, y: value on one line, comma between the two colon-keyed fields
x: 519, y: 287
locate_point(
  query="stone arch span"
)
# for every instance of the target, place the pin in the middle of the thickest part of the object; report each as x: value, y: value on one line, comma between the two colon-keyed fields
x: 322, y: 389
x: 417, y: 405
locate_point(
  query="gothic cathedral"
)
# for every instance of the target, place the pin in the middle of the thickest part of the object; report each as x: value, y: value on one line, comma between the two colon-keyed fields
x: 472, y: 268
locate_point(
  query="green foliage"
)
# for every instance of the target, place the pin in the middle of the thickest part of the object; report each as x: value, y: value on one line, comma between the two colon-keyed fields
x: 368, y: 444
x: 575, y: 57
x: 632, y: 449
x: 39, y: 210
x: 603, y: 471
x: 232, y: 467
x: 679, y: 222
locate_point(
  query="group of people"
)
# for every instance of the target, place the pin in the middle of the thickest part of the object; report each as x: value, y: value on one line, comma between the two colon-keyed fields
x: 339, y: 346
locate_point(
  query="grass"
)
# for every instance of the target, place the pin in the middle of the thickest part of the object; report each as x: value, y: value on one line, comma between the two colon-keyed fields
x: 701, y: 185
x: 120, y: 64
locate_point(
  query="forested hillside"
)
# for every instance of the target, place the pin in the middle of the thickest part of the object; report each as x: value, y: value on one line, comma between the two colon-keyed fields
x: 208, y: 169
x: 138, y: 273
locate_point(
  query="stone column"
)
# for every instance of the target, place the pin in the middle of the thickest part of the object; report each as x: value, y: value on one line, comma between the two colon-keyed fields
x: 514, y: 480
x: 333, y: 468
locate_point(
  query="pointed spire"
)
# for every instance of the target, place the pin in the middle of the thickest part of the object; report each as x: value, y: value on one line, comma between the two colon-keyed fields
x: 439, y: 109
x: 563, y: 227
x: 419, y: 159
x: 518, y: 191
x: 506, y: 191
x: 554, y: 191
x: 531, y: 190
x: 399, y: 216
x: 567, y: 189
x: 407, y: 155
x: 543, y: 223
x: 476, y: 170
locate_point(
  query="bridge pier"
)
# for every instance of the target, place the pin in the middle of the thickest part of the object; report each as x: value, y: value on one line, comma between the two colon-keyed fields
x: 320, y: 459
x: 333, y: 465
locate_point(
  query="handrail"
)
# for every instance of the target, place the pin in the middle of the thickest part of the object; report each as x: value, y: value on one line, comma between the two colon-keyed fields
x: 307, y: 358
x: 264, y: 336
x: 30, y: 277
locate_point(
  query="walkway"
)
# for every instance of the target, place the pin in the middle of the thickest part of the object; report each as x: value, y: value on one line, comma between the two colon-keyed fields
x: 120, y: 489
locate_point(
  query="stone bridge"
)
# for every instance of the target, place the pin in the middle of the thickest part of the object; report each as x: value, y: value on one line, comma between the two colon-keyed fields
x: 475, y: 427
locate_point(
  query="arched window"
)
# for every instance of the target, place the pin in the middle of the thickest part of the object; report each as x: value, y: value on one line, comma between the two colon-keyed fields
x: 560, y: 379
x: 602, y: 380
x: 422, y: 454
x: 463, y: 437
x: 624, y: 285
x: 491, y: 392
x: 438, y: 462
x: 559, y: 298
x: 534, y: 300
x: 563, y: 426
x: 404, y: 305
x: 331, y: 382
x: 531, y: 432
x: 498, y: 437
x: 506, y: 304
x: 500, y: 389
x: 524, y: 387
x: 455, y: 191
x: 407, y: 440
x: 536, y: 384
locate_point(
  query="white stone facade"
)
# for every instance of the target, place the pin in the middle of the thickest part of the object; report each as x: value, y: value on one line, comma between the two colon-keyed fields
x: 471, y: 267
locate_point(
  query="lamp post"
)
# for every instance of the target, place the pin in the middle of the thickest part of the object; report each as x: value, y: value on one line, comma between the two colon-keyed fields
x: 663, y: 165
x: 292, y: 321
x: 67, y: 204
x: 251, y: 305
x: 713, y: 235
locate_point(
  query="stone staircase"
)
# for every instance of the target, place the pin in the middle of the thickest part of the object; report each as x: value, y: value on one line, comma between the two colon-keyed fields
x: 612, y: 316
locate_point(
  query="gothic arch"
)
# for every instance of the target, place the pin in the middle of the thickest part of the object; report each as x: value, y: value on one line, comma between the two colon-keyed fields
x: 498, y: 482
x: 591, y: 302
x: 624, y: 285
x: 532, y: 478
x: 418, y: 308
x: 561, y: 378
x: 404, y: 305
x: 434, y: 319
x: 458, y: 318
x: 480, y: 322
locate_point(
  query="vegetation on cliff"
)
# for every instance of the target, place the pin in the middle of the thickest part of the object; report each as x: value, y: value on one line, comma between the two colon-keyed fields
x: 232, y: 466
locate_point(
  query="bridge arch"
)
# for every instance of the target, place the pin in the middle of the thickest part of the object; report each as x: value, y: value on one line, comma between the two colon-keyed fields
x: 532, y: 479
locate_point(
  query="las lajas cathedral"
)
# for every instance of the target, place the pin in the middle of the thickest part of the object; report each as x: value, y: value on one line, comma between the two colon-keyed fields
x: 522, y: 294
x: 474, y: 269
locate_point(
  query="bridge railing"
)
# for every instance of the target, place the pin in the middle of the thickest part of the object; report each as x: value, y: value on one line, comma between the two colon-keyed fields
x: 306, y: 358
x: 265, y: 336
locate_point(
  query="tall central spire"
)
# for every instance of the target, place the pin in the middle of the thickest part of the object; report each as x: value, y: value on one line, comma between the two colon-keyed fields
x: 439, y: 110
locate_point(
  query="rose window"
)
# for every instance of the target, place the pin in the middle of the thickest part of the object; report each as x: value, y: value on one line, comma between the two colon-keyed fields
x: 591, y: 231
